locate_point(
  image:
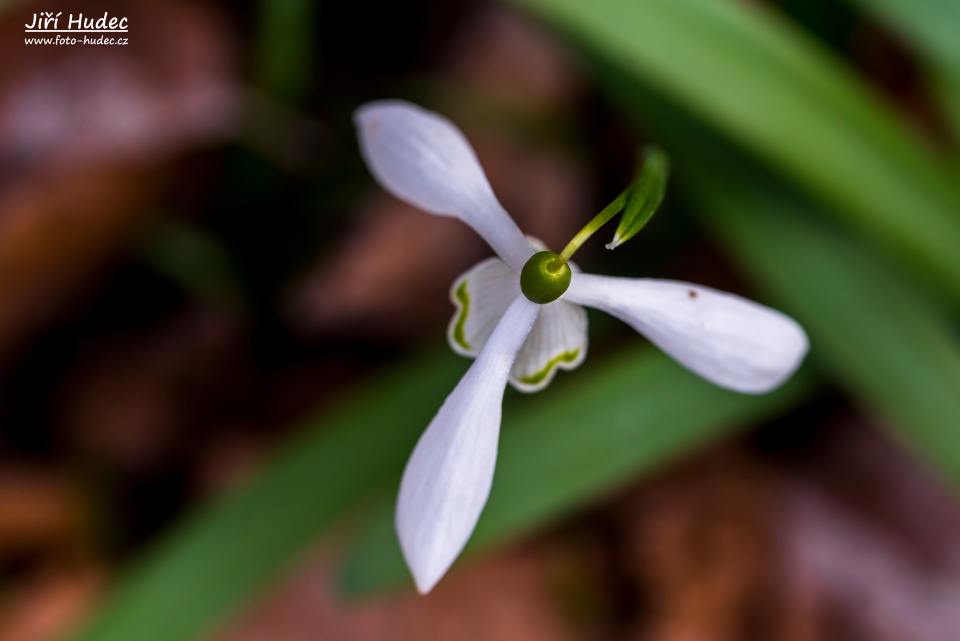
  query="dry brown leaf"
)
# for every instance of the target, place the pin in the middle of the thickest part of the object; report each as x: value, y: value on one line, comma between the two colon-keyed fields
x: 39, y: 509
x: 174, y: 84
x: 510, y: 56
x: 506, y: 598
x: 49, y: 606
x: 131, y: 400
x: 84, y: 135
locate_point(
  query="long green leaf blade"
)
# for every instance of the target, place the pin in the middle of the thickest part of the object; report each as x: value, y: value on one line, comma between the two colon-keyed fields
x: 875, y: 334
x: 568, y: 447
x: 223, y: 555
x: 780, y: 94
x: 872, y: 332
x: 931, y: 26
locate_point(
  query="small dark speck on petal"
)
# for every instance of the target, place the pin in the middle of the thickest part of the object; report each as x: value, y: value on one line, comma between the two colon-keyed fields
x: 692, y: 293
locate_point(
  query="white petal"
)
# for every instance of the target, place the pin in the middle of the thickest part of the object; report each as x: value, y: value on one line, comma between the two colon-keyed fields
x: 421, y: 157
x: 448, y: 477
x: 728, y: 340
x: 558, y: 339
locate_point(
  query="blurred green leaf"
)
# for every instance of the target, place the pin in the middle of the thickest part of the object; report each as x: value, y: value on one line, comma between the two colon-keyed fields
x: 930, y: 24
x: 875, y: 334
x: 644, y: 197
x: 776, y: 91
x: 221, y: 556
x: 284, y: 54
x: 569, y: 446
x: 947, y: 88
x: 869, y: 328
x: 932, y: 27
x: 194, y: 260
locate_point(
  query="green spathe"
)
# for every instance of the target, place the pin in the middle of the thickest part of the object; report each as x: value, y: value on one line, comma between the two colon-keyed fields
x: 646, y: 194
x: 638, y: 202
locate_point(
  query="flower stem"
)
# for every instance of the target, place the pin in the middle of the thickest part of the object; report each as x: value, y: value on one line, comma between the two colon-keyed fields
x: 598, y: 221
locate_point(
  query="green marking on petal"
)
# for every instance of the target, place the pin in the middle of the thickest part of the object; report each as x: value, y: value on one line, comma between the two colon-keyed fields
x: 459, y: 327
x: 538, y: 377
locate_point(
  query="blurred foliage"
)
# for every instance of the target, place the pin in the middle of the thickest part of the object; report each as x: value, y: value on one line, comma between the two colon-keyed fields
x: 195, y: 260
x: 853, y: 228
x: 220, y: 557
x: 929, y: 24
x: 931, y: 27
x: 875, y: 336
x: 284, y: 56
x: 777, y: 93
x: 871, y: 329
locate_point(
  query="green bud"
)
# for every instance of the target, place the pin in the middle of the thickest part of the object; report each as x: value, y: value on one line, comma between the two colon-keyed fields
x: 545, y: 277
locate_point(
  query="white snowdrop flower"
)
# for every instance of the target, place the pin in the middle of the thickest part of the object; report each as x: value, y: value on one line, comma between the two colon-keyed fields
x: 519, y: 314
